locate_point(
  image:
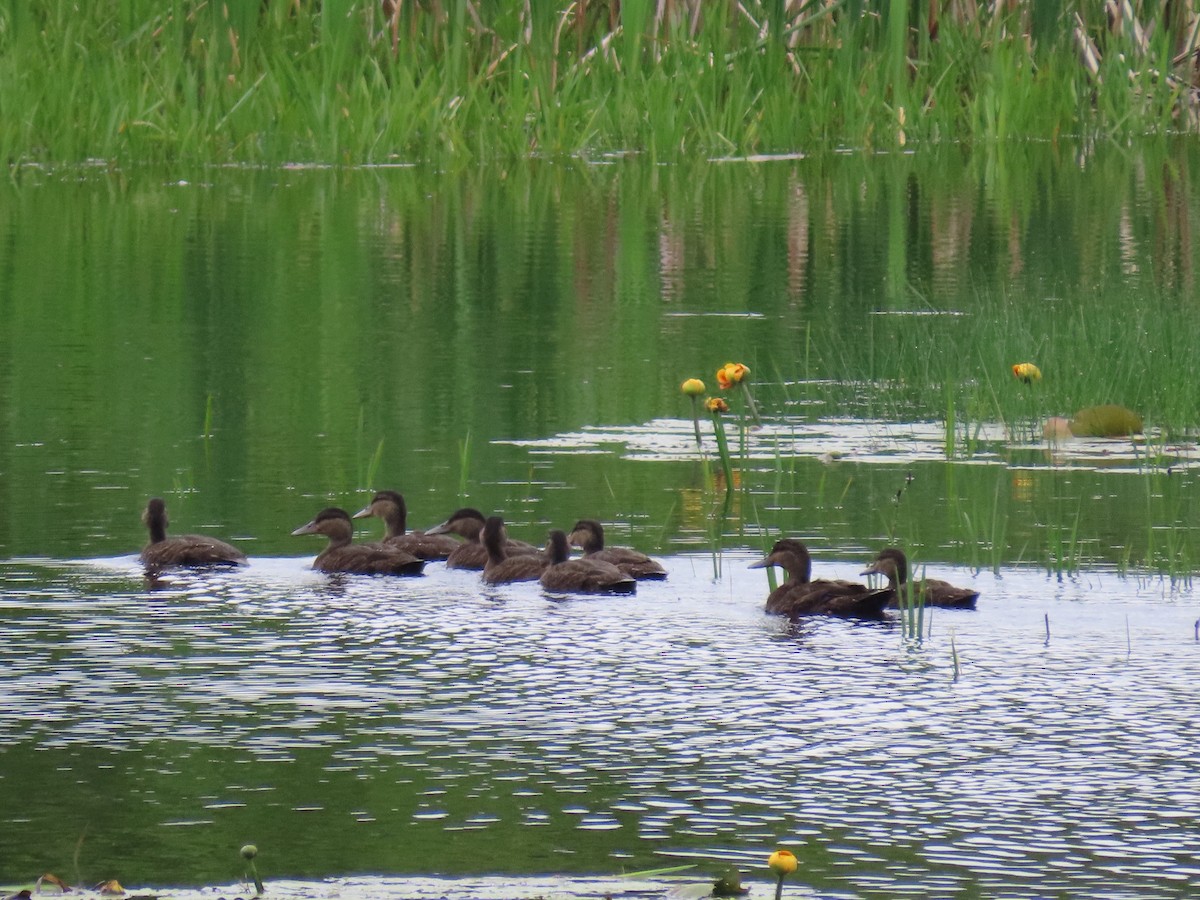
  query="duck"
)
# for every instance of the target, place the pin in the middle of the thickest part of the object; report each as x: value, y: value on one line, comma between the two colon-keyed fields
x: 390, y: 506
x: 586, y: 575
x: 800, y: 596
x: 893, y: 564
x: 363, y: 559
x: 182, y: 549
x: 470, y: 553
x: 588, y: 535
x: 502, y: 568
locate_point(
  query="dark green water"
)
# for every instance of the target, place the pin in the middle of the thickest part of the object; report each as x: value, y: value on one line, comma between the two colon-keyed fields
x: 246, y: 343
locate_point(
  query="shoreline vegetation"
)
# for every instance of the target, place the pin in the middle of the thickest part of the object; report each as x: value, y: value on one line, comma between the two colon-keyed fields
x: 360, y: 82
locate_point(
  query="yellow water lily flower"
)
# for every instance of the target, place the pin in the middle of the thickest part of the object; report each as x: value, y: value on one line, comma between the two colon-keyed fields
x: 1027, y: 372
x: 693, y: 387
x: 782, y: 862
x: 730, y: 374
x: 716, y: 405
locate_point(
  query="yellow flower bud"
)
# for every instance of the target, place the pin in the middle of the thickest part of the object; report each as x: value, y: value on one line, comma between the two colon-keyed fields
x: 1027, y: 372
x: 693, y: 387
x: 716, y: 405
x: 782, y: 862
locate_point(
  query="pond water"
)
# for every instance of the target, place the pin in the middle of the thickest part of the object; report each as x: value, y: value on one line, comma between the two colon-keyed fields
x: 255, y: 345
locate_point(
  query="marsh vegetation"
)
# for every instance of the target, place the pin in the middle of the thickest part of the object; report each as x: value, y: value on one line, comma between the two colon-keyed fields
x: 352, y: 81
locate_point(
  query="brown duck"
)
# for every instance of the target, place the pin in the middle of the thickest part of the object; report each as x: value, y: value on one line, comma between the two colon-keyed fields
x: 390, y: 506
x: 893, y: 564
x: 363, y: 559
x: 800, y: 596
x: 588, y: 535
x: 502, y: 568
x: 182, y: 549
x: 470, y: 553
x: 586, y: 575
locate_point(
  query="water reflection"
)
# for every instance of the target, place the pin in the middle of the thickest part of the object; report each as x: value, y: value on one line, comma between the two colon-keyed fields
x: 681, y: 724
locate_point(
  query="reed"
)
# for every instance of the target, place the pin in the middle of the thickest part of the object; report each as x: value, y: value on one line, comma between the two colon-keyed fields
x: 208, y: 417
x: 464, y: 465
x: 912, y: 609
x: 358, y: 81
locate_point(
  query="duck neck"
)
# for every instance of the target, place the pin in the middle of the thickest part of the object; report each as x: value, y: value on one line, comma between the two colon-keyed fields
x: 800, y: 571
x: 558, y: 551
x: 595, y: 540
x: 494, y: 544
x: 339, y: 537
x: 158, y: 530
x: 395, y: 517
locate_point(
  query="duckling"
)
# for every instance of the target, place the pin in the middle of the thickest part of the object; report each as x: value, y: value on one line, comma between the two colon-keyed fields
x: 390, y: 507
x: 581, y: 576
x: 588, y: 535
x: 799, y: 596
x: 471, y: 554
x: 502, y: 568
x: 363, y: 559
x: 893, y: 564
x: 183, y: 549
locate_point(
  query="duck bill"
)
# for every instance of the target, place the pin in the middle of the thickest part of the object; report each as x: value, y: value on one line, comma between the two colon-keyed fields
x: 364, y: 512
x: 310, y: 528
x: 436, y: 529
x: 872, y: 569
x: 765, y: 563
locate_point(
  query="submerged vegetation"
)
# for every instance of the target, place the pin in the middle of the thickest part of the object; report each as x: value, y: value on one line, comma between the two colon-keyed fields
x: 358, y: 81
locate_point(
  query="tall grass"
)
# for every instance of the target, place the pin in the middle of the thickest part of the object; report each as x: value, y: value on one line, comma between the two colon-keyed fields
x: 358, y: 81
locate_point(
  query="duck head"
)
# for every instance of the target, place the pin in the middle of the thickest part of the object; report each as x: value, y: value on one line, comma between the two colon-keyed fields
x: 332, y: 522
x: 587, y: 535
x: 790, y: 555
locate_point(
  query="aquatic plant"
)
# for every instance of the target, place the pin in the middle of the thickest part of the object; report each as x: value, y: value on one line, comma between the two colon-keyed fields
x: 734, y: 375
x: 464, y: 464
x: 782, y: 863
x: 693, y: 389
x: 911, y: 600
x: 249, y: 852
x: 716, y: 407
x: 1027, y: 372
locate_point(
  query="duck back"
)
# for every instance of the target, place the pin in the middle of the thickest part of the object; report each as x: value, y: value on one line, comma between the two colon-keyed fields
x: 581, y: 576
x: 367, y: 559
x: 473, y: 555
x: 828, y: 598
x: 191, y: 550
x: 515, y: 568
x: 184, y: 549
x: 588, y: 535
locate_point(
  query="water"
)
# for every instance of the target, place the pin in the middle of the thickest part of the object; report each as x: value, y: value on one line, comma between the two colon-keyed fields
x: 438, y: 727
x: 256, y: 345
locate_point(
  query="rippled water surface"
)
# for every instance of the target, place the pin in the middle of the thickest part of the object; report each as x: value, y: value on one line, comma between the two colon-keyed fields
x: 435, y: 726
x: 255, y: 345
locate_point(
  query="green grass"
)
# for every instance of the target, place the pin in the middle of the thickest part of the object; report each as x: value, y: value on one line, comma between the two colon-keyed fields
x: 338, y: 82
